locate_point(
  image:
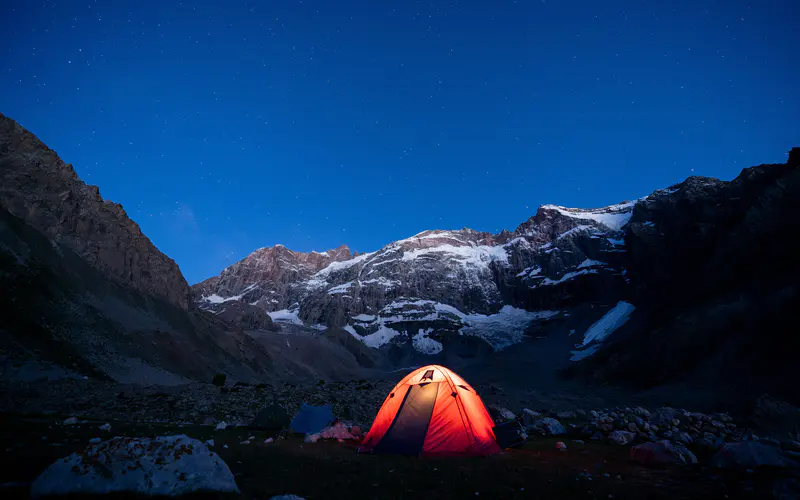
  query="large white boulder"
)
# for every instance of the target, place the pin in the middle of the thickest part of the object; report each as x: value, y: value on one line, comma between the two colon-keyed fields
x: 165, y: 465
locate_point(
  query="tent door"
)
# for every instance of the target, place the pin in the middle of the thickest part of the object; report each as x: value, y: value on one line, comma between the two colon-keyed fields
x: 406, y: 435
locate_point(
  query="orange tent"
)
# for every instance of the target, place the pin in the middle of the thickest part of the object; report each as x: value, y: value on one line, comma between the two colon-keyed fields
x: 432, y: 411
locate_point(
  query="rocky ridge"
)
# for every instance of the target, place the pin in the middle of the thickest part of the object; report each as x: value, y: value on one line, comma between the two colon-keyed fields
x: 42, y: 190
x: 442, y: 282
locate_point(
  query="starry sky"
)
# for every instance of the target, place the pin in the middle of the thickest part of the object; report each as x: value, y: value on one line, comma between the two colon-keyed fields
x: 226, y: 126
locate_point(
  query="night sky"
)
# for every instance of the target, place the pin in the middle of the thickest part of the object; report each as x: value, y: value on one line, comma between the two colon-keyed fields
x: 226, y: 126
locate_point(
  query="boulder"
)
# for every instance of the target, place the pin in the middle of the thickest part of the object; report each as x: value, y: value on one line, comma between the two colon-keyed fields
x: 270, y: 418
x: 663, y: 417
x: 165, y: 465
x: 530, y: 416
x: 748, y: 455
x: 546, y: 426
x: 661, y: 453
x: 621, y: 437
x: 500, y: 414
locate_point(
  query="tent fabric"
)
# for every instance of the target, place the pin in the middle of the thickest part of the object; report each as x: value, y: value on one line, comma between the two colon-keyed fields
x: 311, y: 419
x: 432, y: 411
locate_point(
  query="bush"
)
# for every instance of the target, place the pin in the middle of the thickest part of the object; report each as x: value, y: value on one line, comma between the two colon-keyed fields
x: 219, y: 379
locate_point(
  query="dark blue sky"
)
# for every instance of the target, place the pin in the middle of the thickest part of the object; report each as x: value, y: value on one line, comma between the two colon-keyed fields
x: 226, y: 126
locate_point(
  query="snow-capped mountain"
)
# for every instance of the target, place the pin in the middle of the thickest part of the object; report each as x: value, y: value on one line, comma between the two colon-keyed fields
x: 643, y: 292
x: 438, y: 284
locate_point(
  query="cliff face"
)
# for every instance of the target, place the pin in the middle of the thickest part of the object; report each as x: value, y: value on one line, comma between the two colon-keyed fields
x: 714, y: 275
x: 46, y: 193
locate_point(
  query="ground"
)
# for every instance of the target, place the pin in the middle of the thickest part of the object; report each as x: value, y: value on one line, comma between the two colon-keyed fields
x: 330, y: 470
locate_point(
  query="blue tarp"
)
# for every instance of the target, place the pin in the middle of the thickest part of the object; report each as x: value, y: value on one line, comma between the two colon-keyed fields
x: 311, y: 419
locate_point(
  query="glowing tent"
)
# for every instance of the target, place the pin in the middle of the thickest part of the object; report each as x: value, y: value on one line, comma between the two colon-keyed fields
x: 432, y: 411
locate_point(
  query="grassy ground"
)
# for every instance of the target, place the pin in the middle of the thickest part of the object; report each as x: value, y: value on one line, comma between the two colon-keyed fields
x: 329, y: 470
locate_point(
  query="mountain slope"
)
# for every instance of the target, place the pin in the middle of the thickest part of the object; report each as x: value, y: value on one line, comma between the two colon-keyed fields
x: 715, y: 275
x: 39, y: 188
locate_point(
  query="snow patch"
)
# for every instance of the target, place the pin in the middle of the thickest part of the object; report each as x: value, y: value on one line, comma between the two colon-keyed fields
x: 566, y: 277
x: 602, y: 328
x: 376, y: 339
x: 320, y: 279
x: 384, y: 282
x: 574, y: 230
x: 340, y: 288
x: 505, y: 328
x: 591, y: 263
x: 616, y: 242
x: 476, y: 256
x: 613, y: 217
x: 531, y: 271
x: 425, y: 344
x: 286, y: 316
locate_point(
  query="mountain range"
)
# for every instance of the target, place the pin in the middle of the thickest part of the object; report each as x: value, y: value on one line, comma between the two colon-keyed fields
x: 692, y: 286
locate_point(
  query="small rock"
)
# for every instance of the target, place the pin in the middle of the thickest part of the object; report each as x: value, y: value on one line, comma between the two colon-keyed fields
x: 70, y: 421
x: 663, y: 416
x: 529, y: 415
x: 561, y: 446
x: 95, y: 441
x: 244, y: 442
x: 566, y: 415
x: 221, y: 426
x: 209, y: 421
x: 547, y: 426
x: 621, y: 437
x: 105, y: 427
x: 268, y: 440
x: 632, y: 427
x: 210, y: 442
x: 501, y: 414
x: 286, y: 497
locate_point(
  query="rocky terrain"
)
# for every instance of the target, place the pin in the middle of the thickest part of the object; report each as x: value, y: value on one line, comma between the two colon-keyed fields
x: 576, y: 445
